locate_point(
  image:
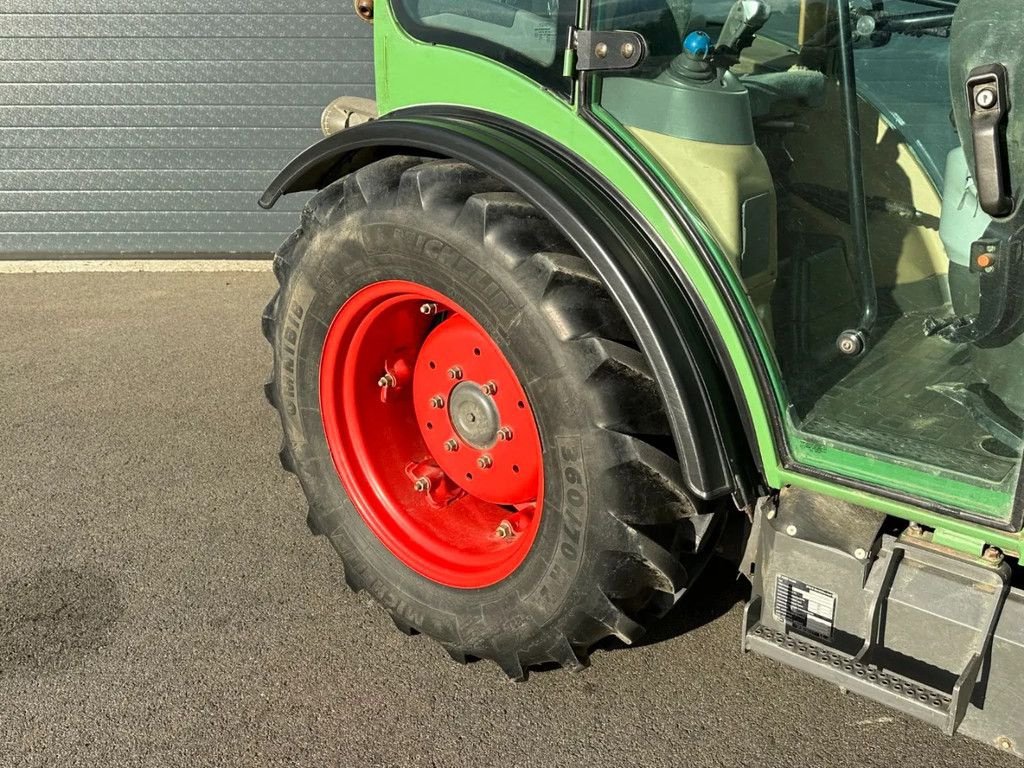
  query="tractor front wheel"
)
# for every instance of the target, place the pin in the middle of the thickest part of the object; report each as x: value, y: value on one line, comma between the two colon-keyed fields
x: 472, y: 423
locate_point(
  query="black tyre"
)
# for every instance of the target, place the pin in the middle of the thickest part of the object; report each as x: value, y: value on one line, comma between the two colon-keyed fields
x: 613, y: 539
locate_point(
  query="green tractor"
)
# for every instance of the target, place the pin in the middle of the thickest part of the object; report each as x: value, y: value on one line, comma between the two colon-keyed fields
x: 598, y: 290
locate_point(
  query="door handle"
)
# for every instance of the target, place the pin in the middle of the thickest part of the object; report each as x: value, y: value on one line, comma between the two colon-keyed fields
x: 988, y: 105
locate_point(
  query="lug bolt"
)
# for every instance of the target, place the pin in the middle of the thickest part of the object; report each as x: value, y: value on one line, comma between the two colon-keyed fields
x: 451, y: 446
x: 422, y: 485
x: 601, y: 50
x: 428, y: 309
x: 504, y: 434
x: 505, y: 530
x: 387, y: 380
x: 437, y: 401
x: 490, y: 388
x: 993, y: 555
x: 485, y: 462
x: 455, y: 373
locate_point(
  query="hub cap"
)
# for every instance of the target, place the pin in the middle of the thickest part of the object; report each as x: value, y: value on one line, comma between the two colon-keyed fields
x: 432, y: 434
x: 474, y: 415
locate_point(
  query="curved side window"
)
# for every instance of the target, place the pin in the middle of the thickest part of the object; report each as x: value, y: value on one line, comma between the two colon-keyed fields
x: 527, y: 35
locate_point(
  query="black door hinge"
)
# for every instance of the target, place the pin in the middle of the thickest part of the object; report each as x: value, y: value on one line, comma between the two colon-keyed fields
x: 591, y: 51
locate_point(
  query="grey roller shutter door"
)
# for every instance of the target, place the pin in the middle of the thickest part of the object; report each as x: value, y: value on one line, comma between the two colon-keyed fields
x: 132, y: 126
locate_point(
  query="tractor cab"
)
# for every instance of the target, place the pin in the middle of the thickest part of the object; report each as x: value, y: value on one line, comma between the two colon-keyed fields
x: 838, y: 158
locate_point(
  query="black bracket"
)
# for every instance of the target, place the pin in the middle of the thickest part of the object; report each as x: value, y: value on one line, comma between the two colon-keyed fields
x: 999, y: 265
x: 608, y: 51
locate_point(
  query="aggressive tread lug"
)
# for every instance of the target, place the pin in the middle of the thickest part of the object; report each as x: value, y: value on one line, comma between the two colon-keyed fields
x: 511, y: 665
x: 287, y: 461
x: 404, y: 627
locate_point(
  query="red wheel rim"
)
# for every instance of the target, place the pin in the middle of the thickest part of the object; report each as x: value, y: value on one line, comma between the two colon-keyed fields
x: 432, y: 434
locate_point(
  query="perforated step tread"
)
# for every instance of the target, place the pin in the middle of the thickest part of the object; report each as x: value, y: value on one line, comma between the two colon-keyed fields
x: 867, y: 680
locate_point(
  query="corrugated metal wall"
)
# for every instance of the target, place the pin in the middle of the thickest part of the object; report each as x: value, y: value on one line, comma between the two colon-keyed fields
x: 152, y: 125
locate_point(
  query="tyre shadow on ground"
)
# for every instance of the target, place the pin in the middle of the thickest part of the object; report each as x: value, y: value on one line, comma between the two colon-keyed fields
x: 718, y: 589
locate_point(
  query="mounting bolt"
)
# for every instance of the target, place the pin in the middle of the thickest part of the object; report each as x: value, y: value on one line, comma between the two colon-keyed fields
x: 505, y: 530
x: 986, y: 98
x: 914, y: 529
x: 860, y: 553
x: 601, y: 50
x: 504, y: 434
x: 851, y: 343
x: 772, y: 513
x: 791, y: 530
x: 485, y: 462
x: 437, y: 401
x: 455, y: 373
x: 387, y: 380
x: 422, y: 485
x: 428, y: 309
x: 490, y: 388
x: 993, y: 555
x: 1004, y: 744
x: 451, y: 446
x: 627, y: 50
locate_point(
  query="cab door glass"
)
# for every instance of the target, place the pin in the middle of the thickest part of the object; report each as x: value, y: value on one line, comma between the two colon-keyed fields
x: 858, y: 167
x: 528, y: 35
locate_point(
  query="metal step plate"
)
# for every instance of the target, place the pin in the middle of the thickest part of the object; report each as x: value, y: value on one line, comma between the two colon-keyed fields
x: 885, y: 687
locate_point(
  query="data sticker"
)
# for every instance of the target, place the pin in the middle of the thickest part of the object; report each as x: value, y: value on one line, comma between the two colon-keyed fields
x: 805, y: 609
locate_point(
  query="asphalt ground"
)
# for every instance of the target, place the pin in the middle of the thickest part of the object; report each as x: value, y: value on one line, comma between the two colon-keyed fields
x: 162, y: 603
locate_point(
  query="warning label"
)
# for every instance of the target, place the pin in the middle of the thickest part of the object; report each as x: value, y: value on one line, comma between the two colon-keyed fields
x: 805, y: 609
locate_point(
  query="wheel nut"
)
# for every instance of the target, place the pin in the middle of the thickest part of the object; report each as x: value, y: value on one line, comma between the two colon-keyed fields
x: 428, y: 309
x: 437, y: 401
x: 505, y: 530
x: 504, y: 434
x: 451, y: 446
x: 387, y: 380
x: 485, y: 462
x: 422, y: 485
x: 490, y: 388
x: 455, y: 373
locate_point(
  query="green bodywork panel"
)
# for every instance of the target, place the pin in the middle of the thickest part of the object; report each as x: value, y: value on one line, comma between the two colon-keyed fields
x: 412, y: 73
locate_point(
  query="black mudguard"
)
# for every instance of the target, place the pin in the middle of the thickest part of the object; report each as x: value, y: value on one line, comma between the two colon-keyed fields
x: 639, y: 271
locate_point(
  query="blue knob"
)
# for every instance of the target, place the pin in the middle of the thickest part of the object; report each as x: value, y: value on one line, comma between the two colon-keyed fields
x: 697, y: 44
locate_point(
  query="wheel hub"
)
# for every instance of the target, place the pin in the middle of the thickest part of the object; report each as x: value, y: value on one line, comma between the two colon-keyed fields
x: 432, y: 434
x: 474, y: 415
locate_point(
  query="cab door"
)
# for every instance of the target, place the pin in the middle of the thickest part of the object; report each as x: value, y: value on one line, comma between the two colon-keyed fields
x: 877, y: 241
